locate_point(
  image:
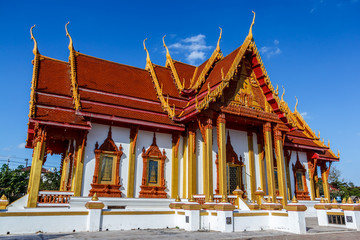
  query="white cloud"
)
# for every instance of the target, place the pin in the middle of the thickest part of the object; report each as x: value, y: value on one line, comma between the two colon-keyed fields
x: 305, y: 115
x: 194, y: 48
x: 270, y: 51
x: 21, y: 145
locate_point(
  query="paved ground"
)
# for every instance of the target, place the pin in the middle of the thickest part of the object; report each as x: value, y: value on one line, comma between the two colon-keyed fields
x: 313, y: 232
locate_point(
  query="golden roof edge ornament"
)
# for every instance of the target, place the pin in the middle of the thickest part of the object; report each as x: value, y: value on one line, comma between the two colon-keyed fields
x: 169, y: 61
x: 216, y: 55
x: 283, y: 94
x: 338, y: 155
x: 167, y: 50
x: 32, y: 108
x: 250, y: 30
x: 218, y: 42
x: 164, y: 103
x: 147, y: 53
x: 71, y: 46
x: 35, y: 50
x: 74, y: 83
x: 296, y: 104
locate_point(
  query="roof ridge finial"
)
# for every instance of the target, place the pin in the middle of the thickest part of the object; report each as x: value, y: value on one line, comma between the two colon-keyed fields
x: 109, y: 133
x: 218, y: 43
x: 283, y: 94
x: 154, y: 139
x: 35, y: 50
x: 250, y: 30
x: 167, y: 50
x: 147, y: 52
x: 296, y: 104
x: 71, y: 46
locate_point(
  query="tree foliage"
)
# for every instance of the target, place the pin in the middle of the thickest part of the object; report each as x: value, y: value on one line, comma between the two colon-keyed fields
x: 340, y: 187
x: 13, y: 183
x: 50, y: 181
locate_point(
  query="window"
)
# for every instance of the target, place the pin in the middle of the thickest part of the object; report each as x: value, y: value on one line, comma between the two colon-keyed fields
x: 107, y: 168
x: 301, y: 190
x: 153, y: 172
x: 106, y: 179
x: 299, y: 181
x: 153, y: 181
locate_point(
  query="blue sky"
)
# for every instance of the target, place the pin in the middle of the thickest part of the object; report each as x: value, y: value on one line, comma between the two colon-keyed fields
x: 311, y: 48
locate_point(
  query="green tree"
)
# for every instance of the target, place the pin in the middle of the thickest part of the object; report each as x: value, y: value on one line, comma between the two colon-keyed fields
x: 340, y: 187
x: 13, y: 183
x: 51, y: 180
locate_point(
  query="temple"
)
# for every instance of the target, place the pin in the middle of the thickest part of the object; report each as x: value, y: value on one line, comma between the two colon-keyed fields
x: 208, y: 134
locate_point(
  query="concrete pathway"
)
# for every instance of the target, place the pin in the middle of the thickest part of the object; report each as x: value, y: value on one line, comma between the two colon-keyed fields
x: 314, y: 232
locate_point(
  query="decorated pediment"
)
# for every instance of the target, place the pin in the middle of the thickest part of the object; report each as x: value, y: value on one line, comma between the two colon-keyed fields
x: 246, y: 96
x: 154, y: 151
x: 108, y: 144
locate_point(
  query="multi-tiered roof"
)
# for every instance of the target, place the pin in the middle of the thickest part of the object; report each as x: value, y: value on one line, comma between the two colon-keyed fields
x: 87, y: 89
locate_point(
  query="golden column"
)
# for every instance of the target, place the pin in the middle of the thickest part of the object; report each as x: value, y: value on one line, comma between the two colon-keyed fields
x: 65, y: 171
x: 251, y: 165
x: 324, y: 175
x: 312, y: 169
x: 269, y: 161
x: 131, y: 170
x: 317, y: 190
x: 192, y: 162
x: 79, y: 163
x: 287, y: 156
x: 36, y: 167
x: 221, y: 136
x: 184, y: 165
x: 280, y: 162
x: 209, y: 165
x: 261, y: 153
x: 175, y: 165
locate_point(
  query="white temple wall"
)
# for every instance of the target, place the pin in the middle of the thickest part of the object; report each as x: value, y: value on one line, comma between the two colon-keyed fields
x: 99, y: 133
x: 303, y: 161
x: 240, y: 144
x: 199, y: 163
x: 256, y: 158
x: 163, y: 141
x: 180, y: 166
x: 215, y: 151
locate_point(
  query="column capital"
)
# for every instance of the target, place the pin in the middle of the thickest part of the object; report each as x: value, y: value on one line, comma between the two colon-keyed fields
x: 221, y: 118
x: 277, y: 134
x: 208, y: 123
x: 134, y: 131
x: 175, y: 137
x: 267, y: 127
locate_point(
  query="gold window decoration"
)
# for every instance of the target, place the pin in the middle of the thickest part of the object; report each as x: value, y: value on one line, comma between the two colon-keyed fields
x: 106, y: 179
x: 153, y: 180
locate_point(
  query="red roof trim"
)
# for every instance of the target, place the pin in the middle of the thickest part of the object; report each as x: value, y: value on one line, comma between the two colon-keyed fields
x: 66, y: 125
x: 118, y: 95
x: 287, y: 144
x: 53, y: 95
x: 123, y: 108
x: 130, y: 121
